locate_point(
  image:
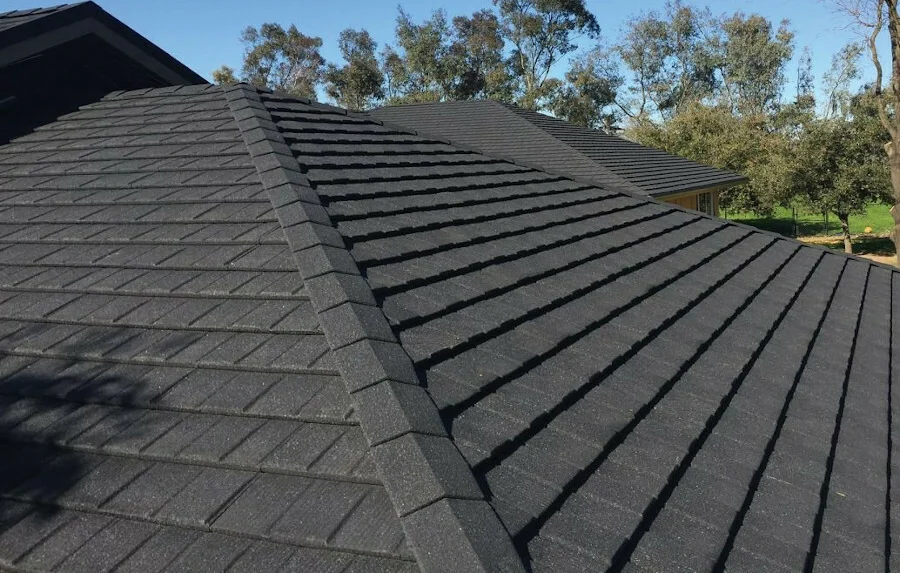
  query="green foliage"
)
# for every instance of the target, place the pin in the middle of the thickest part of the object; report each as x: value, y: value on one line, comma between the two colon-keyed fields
x: 589, y: 90
x: 357, y: 84
x: 541, y: 32
x: 282, y: 59
x: 683, y: 56
x: 844, y: 70
x: 840, y: 166
x: 670, y: 60
x: 715, y: 136
x: 424, y: 73
x: 442, y: 60
x: 224, y: 75
x: 753, y: 55
x: 476, y: 59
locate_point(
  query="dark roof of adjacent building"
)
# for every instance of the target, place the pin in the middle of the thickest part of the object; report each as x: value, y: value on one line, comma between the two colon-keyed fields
x: 553, y: 144
x: 245, y: 331
x: 53, y: 60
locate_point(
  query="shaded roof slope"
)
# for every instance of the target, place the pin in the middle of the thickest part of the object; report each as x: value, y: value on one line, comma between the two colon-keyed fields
x: 636, y: 387
x: 53, y: 60
x: 168, y: 399
x: 12, y: 18
x: 551, y: 143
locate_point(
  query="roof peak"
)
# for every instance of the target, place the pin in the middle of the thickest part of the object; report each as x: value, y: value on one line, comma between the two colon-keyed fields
x: 441, y: 506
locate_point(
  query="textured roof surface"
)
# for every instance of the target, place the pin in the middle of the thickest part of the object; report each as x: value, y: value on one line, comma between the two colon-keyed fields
x: 635, y: 386
x: 240, y: 326
x: 13, y: 18
x: 551, y: 143
x: 168, y: 399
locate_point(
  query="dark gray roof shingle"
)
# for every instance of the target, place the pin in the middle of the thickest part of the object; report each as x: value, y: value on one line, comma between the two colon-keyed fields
x: 634, y: 386
x: 550, y: 143
x: 276, y: 335
x: 164, y: 374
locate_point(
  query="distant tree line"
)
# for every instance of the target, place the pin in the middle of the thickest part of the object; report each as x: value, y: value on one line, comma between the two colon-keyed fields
x: 713, y: 88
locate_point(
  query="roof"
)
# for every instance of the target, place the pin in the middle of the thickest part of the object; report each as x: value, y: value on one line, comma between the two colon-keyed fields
x: 550, y: 143
x: 244, y: 330
x: 14, y: 18
x: 53, y: 60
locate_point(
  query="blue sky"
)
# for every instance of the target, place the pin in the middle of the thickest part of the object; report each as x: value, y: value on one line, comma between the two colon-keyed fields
x: 204, y: 33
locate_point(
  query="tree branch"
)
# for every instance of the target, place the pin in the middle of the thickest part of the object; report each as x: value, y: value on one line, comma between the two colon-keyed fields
x: 877, y: 26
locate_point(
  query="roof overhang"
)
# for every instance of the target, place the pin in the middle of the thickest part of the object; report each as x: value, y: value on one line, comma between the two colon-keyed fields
x: 55, y: 60
x: 701, y: 188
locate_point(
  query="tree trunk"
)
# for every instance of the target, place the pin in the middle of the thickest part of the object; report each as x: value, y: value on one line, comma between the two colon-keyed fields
x: 894, y: 164
x: 845, y: 231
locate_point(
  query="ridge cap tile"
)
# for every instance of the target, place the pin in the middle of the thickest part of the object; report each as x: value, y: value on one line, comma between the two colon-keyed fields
x: 418, y: 469
x: 424, y: 469
x: 390, y: 409
x: 444, y: 525
x: 368, y: 362
x: 315, y: 233
x: 333, y: 289
x: 322, y: 259
x: 351, y: 322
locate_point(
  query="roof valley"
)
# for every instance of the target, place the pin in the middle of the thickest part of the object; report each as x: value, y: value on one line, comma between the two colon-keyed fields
x: 447, y: 520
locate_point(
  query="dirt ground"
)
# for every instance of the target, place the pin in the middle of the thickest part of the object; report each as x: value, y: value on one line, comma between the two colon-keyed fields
x: 876, y: 247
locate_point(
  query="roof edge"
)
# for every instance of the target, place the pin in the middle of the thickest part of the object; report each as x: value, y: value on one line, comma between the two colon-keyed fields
x: 621, y: 185
x: 738, y: 180
x: 68, y: 14
x: 448, y: 523
x: 526, y: 114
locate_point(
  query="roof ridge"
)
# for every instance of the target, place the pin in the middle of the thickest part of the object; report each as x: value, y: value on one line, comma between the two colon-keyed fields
x: 447, y: 520
x: 621, y: 184
x: 620, y: 181
x: 525, y: 113
x: 437, y: 103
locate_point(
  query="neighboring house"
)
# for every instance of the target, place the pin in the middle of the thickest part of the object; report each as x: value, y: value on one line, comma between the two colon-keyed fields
x: 247, y: 332
x: 549, y: 143
x: 55, y: 59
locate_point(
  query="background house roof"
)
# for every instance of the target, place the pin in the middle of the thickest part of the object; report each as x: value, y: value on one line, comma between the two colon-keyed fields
x: 543, y: 371
x: 53, y: 60
x: 551, y: 143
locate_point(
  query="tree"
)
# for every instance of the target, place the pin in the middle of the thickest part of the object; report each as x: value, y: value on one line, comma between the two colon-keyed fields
x: 715, y: 136
x: 358, y: 83
x: 280, y: 59
x: 871, y: 17
x: 752, y: 58
x: 671, y: 60
x: 440, y: 60
x: 394, y: 71
x: 684, y: 56
x: 224, y: 75
x: 541, y: 32
x: 590, y: 89
x: 423, y: 70
x: 840, y: 167
x: 476, y: 59
x: 844, y: 70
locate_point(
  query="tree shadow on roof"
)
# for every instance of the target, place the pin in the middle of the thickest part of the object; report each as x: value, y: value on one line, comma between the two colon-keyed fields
x: 55, y: 415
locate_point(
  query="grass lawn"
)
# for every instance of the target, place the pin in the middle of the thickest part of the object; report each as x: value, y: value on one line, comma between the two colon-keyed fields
x: 878, y: 217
